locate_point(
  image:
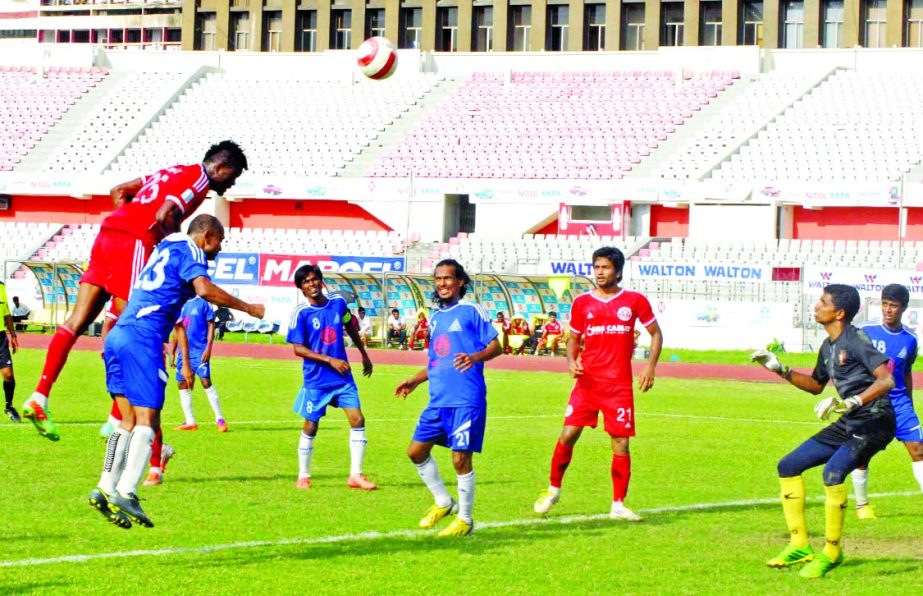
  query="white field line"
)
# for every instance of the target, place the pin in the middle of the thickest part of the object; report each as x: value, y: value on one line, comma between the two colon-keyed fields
x: 365, y: 536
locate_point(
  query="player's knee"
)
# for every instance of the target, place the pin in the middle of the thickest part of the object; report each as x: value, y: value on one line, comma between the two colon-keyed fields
x: 834, y: 475
x: 7, y: 374
x: 462, y: 461
x: 789, y: 467
x: 206, y: 382
x: 357, y: 420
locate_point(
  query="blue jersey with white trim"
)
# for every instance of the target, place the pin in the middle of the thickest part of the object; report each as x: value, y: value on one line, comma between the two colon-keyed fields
x: 463, y: 328
x: 320, y: 329
x: 164, y: 285
x: 195, y: 317
x: 901, y: 348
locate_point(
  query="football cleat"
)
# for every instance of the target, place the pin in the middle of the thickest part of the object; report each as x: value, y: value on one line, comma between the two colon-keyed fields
x: 185, y: 426
x: 222, y: 426
x: 98, y: 501
x: 105, y: 430
x: 819, y: 567
x: 166, y: 454
x: 792, y: 555
x: 153, y: 478
x: 41, y: 418
x: 545, y: 501
x: 621, y: 513
x: 303, y: 483
x: 436, y: 513
x: 360, y: 481
x: 12, y: 413
x: 458, y: 527
x: 866, y: 512
x: 130, y: 505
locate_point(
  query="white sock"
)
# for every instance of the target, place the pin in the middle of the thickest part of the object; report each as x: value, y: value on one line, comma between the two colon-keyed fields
x: 357, y: 444
x: 429, y: 472
x: 305, y: 451
x: 918, y: 472
x: 114, y: 462
x: 156, y: 470
x: 212, y: 394
x: 139, y: 452
x: 466, y: 495
x: 554, y: 490
x: 860, y: 486
x: 115, y: 422
x: 38, y: 397
x: 185, y: 401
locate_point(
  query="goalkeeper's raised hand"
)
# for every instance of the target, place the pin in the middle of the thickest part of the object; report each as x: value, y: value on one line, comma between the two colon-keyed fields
x: 770, y: 361
x: 827, y: 406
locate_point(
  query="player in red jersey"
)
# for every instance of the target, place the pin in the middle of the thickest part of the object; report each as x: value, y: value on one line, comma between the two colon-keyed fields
x: 605, y: 319
x: 551, y: 335
x: 147, y: 209
x: 420, y: 331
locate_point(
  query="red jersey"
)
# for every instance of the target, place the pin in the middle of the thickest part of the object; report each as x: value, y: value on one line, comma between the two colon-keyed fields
x: 185, y: 186
x: 422, y: 323
x: 552, y: 328
x: 607, y: 327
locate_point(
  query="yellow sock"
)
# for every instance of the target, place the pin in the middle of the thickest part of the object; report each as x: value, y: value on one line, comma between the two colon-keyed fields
x: 793, y: 507
x: 835, y: 512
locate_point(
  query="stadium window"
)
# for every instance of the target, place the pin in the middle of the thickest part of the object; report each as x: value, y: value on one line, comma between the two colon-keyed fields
x: 632, y: 26
x: 174, y: 38
x: 833, y: 24
x: 913, y: 38
x: 751, y: 23
x: 876, y: 23
x: 272, y: 31
x: 520, y: 34
x: 63, y: 36
x: 594, y: 33
x: 671, y: 24
x: 306, y: 26
x: 239, y: 38
x: 482, y: 37
x: 341, y: 31
x: 206, y: 31
x: 793, y: 24
x: 710, y: 23
x: 447, y: 32
x: 556, y: 33
x: 375, y: 22
x: 411, y: 33
x: 80, y: 36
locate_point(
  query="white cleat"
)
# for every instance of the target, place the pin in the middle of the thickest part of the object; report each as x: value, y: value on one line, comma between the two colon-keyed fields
x: 621, y: 513
x: 545, y: 501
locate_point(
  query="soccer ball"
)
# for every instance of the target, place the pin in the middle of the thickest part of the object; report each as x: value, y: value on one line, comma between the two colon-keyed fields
x: 377, y: 58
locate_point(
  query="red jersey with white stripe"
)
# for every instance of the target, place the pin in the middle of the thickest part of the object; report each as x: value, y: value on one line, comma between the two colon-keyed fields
x: 552, y: 328
x: 185, y: 186
x: 607, y: 327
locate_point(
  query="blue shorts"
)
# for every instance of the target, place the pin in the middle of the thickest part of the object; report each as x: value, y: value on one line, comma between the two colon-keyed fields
x: 461, y: 429
x: 135, y: 367
x: 908, y: 424
x: 311, y: 404
x: 203, y: 370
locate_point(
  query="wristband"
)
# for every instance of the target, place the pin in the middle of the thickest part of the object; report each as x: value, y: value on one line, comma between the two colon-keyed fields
x: 786, y: 373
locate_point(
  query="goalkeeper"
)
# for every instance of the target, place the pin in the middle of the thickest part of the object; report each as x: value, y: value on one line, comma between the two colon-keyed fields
x: 862, y: 378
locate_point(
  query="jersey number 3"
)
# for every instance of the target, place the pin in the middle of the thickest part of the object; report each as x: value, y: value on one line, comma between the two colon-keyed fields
x: 153, y: 276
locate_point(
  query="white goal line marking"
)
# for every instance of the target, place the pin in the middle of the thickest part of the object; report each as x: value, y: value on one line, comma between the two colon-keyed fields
x: 363, y: 536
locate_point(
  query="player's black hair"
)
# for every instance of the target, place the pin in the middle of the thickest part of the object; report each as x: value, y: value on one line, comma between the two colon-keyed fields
x: 615, y: 257
x: 845, y: 298
x: 896, y: 293
x: 303, y: 272
x: 460, y: 274
x: 394, y: 310
x: 552, y: 313
x: 204, y: 222
x: 228, y: 152
x: 361, y: 309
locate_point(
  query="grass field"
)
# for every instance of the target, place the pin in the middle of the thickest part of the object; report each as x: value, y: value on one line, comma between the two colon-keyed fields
x: 230, y: 521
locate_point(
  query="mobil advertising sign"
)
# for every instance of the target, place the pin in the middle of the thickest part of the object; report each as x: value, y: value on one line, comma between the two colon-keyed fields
x: 279, y: 270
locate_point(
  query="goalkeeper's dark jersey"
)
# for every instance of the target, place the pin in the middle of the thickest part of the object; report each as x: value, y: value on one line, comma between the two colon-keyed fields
x: 849, y: 362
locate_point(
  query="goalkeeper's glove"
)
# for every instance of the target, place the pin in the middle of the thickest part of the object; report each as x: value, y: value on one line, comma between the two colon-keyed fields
x: 770, y: 362
x: 827, y: 406
x: 848, y: 405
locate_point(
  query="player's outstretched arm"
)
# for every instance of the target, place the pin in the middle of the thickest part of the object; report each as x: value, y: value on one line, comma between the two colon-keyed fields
x: 407, y: 387
x: 125, y: 192
x: 646, y: 379
x: 182, y: 340
x: 770, y: 362
x: 352, y: 330
x: 204, y: 288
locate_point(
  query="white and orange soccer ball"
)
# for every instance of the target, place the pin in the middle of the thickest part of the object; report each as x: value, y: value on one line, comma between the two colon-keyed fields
x: 377, y: 58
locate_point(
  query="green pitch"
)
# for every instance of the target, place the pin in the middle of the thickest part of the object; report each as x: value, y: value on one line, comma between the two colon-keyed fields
x: 229, y: 520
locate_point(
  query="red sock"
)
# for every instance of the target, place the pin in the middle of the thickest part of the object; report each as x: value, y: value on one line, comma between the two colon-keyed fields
x: 115, y: 412
x: 58, y: 350
x: 621, y: 474
x: 156, y: 448
x: 559, y: 462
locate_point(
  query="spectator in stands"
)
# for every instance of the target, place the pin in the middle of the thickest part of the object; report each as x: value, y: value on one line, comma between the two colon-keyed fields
x: 20, y: 313
x: 223, y: 316
x: 365, y: 327
x: 519, y: 334
x: 397, y: 329
x: 551, y: 335
x: 420, y: 331
x: 148, y: 209
x: 502, y: 325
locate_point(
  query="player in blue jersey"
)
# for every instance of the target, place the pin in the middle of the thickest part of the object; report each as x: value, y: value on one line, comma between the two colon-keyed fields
x: 316, y: 333
x: 462, y: 339
x: 199, y: 320
x: 900, y: 344
x: 135, y: 361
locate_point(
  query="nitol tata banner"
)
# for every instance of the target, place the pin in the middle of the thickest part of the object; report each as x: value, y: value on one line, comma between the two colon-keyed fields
x: 869, y: 281
x: 279, y: 270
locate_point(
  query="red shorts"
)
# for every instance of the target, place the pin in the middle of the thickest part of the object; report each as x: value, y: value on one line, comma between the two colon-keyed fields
x: 116, y: 261
x: 616, y: 401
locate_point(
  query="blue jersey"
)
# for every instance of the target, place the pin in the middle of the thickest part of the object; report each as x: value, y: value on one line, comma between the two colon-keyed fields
x: 164, y: 285
x: 320, y: 328
x: 901, y: 348
x: 195, y: 317
x: 463, y: 328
